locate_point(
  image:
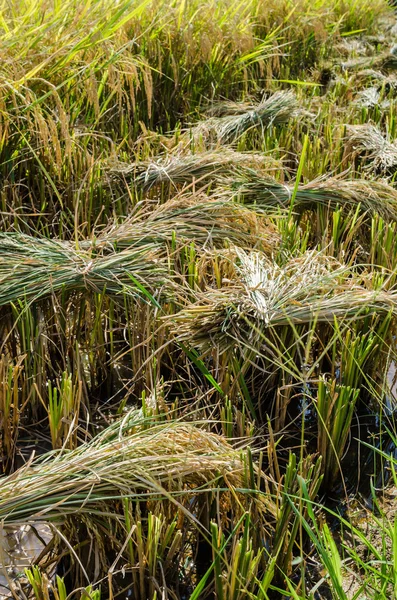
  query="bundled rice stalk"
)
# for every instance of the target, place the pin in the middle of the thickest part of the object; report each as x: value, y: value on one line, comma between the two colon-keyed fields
x: 375, y: 197
x: 133, y: 458
x: 181, y: 169
x: 384, y: 83
x: 370, y: 98
x: 375, y: 151
x: 278, y: 109
x: 266, y: 295
x: 371, y: 75
x: 385, y: 61
x: 127, y: 257
x: 196, y: 218
x: 358, y: 47
x: 33, y: 268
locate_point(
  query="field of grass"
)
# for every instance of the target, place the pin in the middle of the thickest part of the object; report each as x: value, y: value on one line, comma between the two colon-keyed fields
x: 198, y: 298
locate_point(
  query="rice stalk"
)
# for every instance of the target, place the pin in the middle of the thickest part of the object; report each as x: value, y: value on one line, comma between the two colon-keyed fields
x: 383, y: 247
x: 33, y: 268
x: 179, y: 169
x: 373, y: 196
x: 132, y: 458
x: 376, y: 152
x: 312, y: 287
x: 278, y: 109
x: 298, y: 473
x: 63, y: 410
x: 43, y: 588
x: 236, y: 576
x: 335, y: 408
x: 10, y: 384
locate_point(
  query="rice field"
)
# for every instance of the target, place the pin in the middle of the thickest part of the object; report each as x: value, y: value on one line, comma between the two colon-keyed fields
x: 198, y: 298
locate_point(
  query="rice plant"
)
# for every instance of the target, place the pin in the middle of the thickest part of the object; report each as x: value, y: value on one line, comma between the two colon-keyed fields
x: 197, y: 299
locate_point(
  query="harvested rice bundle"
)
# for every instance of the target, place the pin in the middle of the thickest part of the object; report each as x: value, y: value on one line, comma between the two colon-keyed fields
x: 182, y: 169
x: 33, y: 268
x: 279, y: 108
x: 370, y: 98
x: 130, y: 257
x: 133, y: 458
x: 266, y: 295
x: 386, y: 60
x: 195, y: 218
x: 369, y: 144
x: 375, y: 197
